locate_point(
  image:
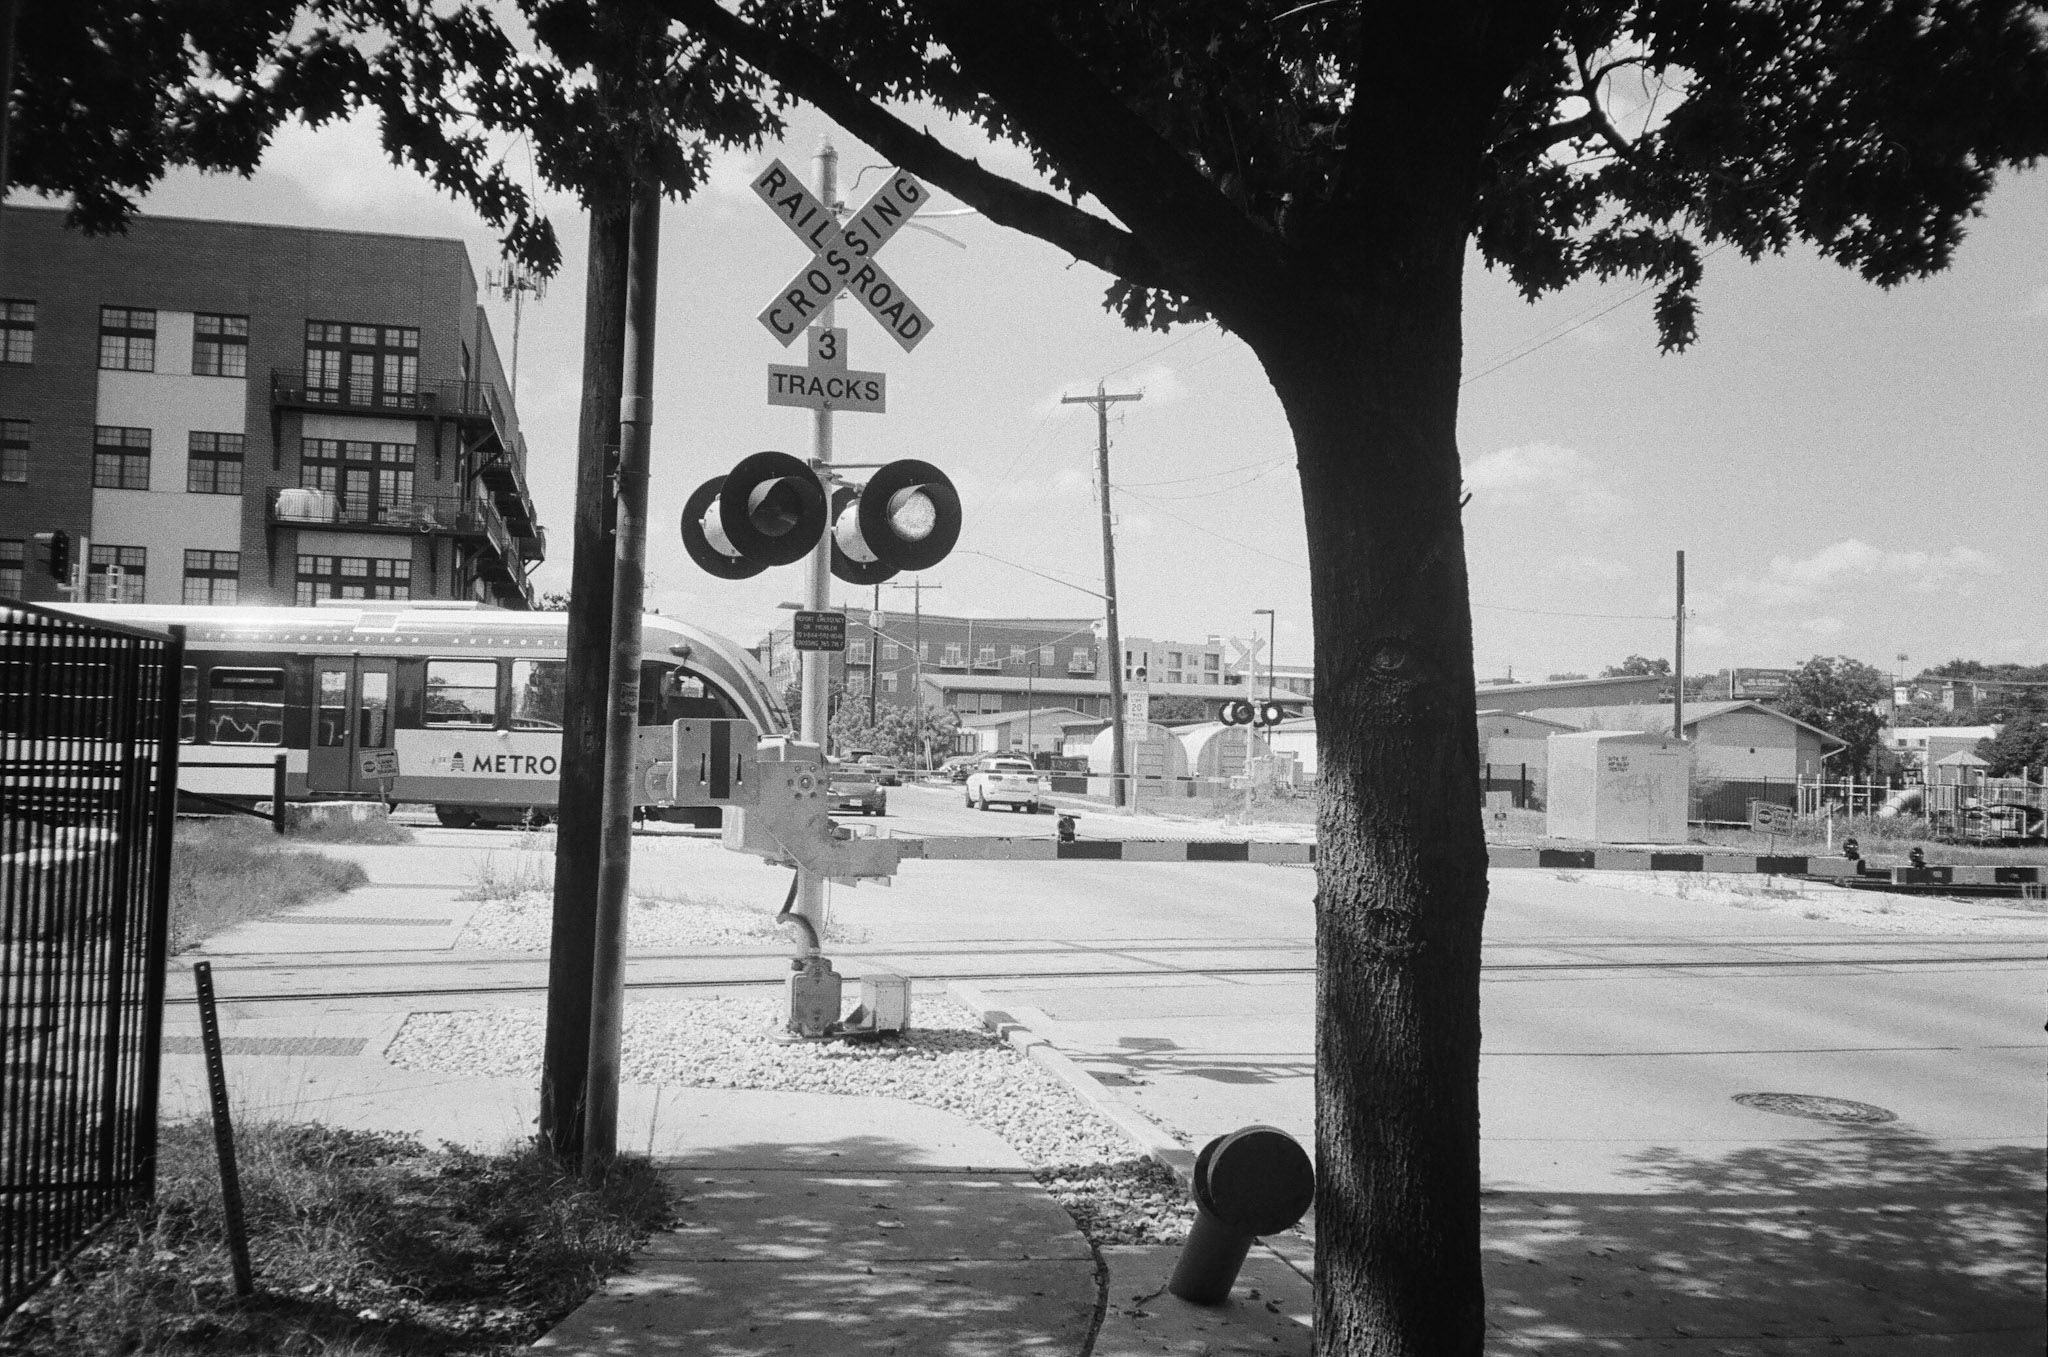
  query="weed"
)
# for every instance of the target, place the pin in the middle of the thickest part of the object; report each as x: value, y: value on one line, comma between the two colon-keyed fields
x: 362, y: 1243
x: 1570, y: 876
x: 224, y: 872
x: 522, y: 873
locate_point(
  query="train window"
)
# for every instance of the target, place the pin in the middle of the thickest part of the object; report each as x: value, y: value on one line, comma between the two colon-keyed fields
x: 669, y: 693
x: 537, y: 694
x: 245, y: 706
x: 331, y: 723
x: 374, y: 711
x: 462, y: 693
x: 188, y: 706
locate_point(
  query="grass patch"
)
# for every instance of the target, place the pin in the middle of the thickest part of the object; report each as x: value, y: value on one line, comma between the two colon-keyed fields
x: 362, y: 1244
x: 346, y: 829
x: 224, y: 872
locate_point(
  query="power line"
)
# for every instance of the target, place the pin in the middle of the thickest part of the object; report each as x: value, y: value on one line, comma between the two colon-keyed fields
x: 1267, y: 464
x: 1541, y: 612
x: 1243, y: 546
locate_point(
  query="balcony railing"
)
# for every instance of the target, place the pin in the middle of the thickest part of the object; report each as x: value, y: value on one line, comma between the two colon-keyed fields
x: 450, y: 514
x: 1080, y: 666
x: 447, y: 400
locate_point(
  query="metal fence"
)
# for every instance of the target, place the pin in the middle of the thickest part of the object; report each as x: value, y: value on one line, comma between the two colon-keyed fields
x: 1715, y: 802
x: 1514, y: 779
x: 88, y: 777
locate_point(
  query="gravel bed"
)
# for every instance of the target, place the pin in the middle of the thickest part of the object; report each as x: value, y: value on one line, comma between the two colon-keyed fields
x: 948, y: 1060
x: 1878, y: 911
x: 525, y: 922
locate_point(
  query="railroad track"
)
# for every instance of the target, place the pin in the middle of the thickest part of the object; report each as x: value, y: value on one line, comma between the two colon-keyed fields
x: 1130, y: 971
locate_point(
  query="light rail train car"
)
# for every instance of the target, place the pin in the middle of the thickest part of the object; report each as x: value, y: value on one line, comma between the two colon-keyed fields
x: 468, y: 698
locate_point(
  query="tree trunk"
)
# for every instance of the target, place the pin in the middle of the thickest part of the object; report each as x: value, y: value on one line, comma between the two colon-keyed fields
x: 1401, y: 870
x: 580, y: 805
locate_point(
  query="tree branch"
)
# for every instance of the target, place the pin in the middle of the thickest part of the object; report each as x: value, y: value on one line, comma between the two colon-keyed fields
x: 1003, y: 201
x: 1589, y: 90
x: 1522, y: 149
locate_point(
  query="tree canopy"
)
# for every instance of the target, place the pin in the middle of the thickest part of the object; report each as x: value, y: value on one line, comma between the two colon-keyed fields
x: 1841, y: 696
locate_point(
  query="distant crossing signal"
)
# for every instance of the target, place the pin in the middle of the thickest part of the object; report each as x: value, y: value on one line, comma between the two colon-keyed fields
x: 1241, y: 713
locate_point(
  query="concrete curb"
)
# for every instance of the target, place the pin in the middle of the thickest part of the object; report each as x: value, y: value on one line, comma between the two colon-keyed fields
x: 1147, y: 1136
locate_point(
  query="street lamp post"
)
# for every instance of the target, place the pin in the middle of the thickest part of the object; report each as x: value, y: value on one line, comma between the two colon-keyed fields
x: 1030, y: 712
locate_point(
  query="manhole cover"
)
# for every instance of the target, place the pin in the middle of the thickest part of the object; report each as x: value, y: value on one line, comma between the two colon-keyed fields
x: 1816, y: 1108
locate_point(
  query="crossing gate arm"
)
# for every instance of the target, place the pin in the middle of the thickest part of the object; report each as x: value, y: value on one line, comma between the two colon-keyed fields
x: 976, y: 848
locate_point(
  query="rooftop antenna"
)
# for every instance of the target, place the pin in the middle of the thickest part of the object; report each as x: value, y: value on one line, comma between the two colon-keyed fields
x: 512, y: 283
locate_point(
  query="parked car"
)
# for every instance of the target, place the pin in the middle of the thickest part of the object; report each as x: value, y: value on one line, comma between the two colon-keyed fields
x: 958, y: 767
x: 852, y: 786
x: 1005, y: 781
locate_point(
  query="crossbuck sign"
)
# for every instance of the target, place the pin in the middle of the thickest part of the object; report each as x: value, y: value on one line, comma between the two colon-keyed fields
x: 842, y: 257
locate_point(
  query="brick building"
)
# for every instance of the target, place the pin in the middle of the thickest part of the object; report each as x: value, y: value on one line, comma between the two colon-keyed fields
x: 244, y: 413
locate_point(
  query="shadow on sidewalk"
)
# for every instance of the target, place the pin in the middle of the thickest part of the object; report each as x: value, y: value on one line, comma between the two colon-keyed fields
x: 1779, y: 1248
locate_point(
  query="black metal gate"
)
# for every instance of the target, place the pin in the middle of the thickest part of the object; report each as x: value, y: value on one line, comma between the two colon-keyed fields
x: 88, y: 789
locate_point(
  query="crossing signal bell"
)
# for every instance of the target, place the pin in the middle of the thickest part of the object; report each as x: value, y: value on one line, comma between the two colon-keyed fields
x: 1242, y: 713
x: 53, y: 549
x: 771, y: 510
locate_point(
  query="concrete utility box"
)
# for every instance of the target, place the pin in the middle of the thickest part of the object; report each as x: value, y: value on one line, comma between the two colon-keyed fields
x: 1618, y: 786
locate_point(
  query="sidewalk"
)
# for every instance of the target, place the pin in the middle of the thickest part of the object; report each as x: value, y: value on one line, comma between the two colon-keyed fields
x: 808, y: 1223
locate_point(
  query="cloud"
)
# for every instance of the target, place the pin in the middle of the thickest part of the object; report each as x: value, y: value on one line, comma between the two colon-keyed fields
x: 2038, y: 305
x: 1592, y: 569
x: 1852, y: 562
x: 1823, y: 626
x: 1070, y: 483
x: 1562, y: 479
x: 342, y: 166
x: 1161, y: 385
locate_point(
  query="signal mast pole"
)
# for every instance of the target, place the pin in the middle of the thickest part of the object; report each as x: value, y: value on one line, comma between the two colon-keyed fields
x: 1102, y: 400
x: 817, y: 664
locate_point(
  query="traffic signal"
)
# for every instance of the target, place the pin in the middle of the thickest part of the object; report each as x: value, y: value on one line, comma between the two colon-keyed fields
x: 53, y: 550
x: 771, y: 510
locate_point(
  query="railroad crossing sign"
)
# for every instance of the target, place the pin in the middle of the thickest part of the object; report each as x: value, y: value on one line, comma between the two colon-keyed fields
x: 842, y: 258
x: 828, y: 384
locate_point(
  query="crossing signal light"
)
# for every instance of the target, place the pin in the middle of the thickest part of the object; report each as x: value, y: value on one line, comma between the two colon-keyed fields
x: 907, y: 517
x: 768, y: 510
x: 1242, y: 713
x: 53, y: 549
x: 771, y: 510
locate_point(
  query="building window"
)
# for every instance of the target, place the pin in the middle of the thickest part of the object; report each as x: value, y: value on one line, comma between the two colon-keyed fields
x: 127, y: 339
x: 856, y: 685
x: 890, y: 650
x: 212, y: 576
x: 362, y: 364
x: 1079, y: 662
x: 116, y: 574
x: 888, y: 682
x: 213, y: 464
x: 461, y: 693
x: 1045, y: 656
x: 1016, y: 654
x: 17, y: 333
x: 985, y: 658
x: 953, y: 654
x: 12, y: 562
x: 220, y: 346
x: 120, y: 458
x: 13, y: 451
x: 351, y: 577
x: 924, y: 651
x: 856, y: 652
x: 373, y: 481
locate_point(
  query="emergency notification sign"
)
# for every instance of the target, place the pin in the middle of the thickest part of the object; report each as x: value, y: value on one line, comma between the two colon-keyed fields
x: 820, y: 631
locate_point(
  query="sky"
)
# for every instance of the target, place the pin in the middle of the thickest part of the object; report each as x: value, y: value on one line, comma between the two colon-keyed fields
x: 1848, y: 470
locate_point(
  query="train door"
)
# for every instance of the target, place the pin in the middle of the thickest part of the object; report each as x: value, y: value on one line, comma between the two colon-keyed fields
x: 352, y: 707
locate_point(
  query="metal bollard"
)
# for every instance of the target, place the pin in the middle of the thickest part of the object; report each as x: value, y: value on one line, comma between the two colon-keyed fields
x: 1065, y: 827
x: 1257, y: 1181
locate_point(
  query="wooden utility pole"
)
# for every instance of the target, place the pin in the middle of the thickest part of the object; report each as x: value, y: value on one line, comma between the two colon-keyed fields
x: 580, y: 800
x: 1102, y: 400
x: 917, y: 588
x: 1678, y: 660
